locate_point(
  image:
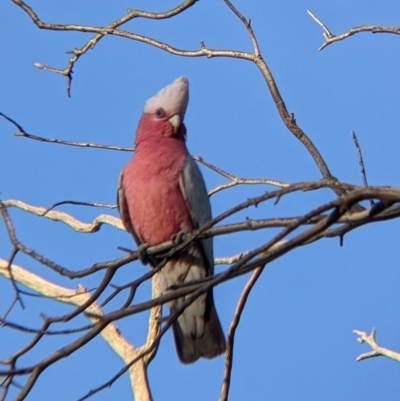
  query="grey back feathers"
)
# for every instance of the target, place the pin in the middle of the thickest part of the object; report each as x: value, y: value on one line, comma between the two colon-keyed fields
x: 195, y: 193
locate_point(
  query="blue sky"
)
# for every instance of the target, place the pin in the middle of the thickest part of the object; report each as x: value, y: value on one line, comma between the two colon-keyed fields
x: 295, y: 340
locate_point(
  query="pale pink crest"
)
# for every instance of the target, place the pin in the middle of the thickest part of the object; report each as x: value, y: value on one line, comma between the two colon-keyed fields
x: 173, y: 98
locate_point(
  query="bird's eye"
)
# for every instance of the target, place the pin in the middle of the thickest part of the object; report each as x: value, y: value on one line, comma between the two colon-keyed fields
x: 160, y: 113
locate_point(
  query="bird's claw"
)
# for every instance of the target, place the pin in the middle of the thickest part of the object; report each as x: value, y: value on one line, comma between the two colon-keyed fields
x: 177, y: 238
x: 142, y: 253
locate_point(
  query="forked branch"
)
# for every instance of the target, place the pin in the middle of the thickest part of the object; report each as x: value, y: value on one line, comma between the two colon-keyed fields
x: 204, y: 51
x: 370, y: 339
x: 331, y: 38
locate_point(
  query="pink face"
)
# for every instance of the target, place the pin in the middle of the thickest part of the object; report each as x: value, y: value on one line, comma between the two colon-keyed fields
x: 164, y: 112
x: 157, y: 125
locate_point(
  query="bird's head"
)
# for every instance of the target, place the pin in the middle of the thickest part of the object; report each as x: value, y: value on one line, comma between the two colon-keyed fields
x: 163, y: 113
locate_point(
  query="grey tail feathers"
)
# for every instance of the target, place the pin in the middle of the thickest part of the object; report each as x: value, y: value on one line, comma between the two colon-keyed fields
x: 210, y: 345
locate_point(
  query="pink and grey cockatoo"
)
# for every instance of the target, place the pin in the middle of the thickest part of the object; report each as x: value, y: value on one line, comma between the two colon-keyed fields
x: 161, y: 192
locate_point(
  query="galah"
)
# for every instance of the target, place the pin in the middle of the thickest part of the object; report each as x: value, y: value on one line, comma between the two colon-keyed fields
x: 161, y: 193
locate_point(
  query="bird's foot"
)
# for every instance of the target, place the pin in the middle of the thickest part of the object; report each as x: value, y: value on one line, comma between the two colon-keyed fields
x: 177, y: 238
x: 142, y: 253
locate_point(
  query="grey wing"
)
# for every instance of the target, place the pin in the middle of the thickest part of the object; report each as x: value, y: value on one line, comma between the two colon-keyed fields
x: 124, y: 211
x: 195, y: 194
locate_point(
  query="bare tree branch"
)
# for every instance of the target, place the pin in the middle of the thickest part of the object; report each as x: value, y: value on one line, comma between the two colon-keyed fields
x: 232, y: 330
x: 31, y: 330
x: 233, y: 179
x: 204, y: 51
x: 21, y: 132
x: 17, y: 294
x: 360, y: 158
x: 331, y: 38
x: 110, y: 333
x: 376, y: 349
x: 77, y: 53
x: 66, y: 218
x: 237, y: 180
x: 266, y: 253
x: 334, y: 218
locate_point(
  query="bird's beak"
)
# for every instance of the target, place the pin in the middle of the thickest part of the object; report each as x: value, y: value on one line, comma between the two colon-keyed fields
x: 176, y: 122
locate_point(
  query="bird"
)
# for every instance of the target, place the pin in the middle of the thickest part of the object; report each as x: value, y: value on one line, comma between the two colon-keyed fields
x: 161, y: 193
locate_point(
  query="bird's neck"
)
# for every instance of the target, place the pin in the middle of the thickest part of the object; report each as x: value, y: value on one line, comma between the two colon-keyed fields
x: 166, y: 154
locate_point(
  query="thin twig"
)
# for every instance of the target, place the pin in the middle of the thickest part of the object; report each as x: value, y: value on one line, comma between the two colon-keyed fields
x: 360, y: 161
x: 78, y: 203
x: 66, y: 218
x: 13, y: 122
x: 14, y: 284
x: 360, y: 158
x: 232, y: 330
x: 21, y: 132
x: 247, y: 24
x: 237, y: 180
x: 327, y: 33
x: 133, y: 285
x: 331, y: 38
x: 71, y: 143
x: 25, y: 329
